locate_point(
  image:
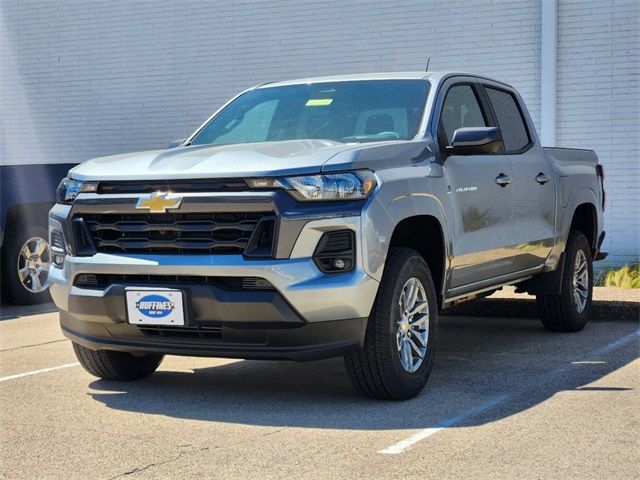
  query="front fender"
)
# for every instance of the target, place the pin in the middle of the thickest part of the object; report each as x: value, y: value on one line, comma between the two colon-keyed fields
x: 396, y: 201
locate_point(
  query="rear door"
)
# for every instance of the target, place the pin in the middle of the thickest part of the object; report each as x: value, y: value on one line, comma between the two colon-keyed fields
x: 533, y: 189
x: 481, y: 208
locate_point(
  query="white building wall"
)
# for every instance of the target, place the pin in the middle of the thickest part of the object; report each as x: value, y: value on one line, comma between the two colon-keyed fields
x: 93, y: 78
x: 599, y: 106
x: 80, y: 79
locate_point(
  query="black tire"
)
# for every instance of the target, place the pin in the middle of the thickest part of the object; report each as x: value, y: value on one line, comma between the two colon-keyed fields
x: 13, y: 289
x: 121, y: 366
x: 563, y: 312
x: 376, y: 370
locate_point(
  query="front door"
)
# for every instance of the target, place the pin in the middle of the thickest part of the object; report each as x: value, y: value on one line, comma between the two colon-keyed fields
x: 479, y: 194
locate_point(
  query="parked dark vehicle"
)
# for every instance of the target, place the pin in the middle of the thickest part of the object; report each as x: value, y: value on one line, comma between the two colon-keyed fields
x: 27, y: 193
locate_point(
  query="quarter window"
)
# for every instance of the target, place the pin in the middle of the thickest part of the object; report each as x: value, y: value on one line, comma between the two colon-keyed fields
x: 512, y: 125
x: 460, y: 109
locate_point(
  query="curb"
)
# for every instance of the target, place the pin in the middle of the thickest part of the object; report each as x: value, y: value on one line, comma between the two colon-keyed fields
x: 526, y: 308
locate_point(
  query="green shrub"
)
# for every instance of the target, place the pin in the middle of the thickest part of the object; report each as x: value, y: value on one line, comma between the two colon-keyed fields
x: 623, y: 277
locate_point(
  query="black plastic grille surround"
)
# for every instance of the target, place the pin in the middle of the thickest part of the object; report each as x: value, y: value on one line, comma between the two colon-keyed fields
x: 335, y: 252
x: 220, y: 233
x: 57, y: 241
x: 208, y: 333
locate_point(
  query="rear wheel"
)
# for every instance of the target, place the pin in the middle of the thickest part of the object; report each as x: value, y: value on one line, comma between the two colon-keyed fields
x: 111, y: 365
x: 399, y: 348
x: 569, y: 310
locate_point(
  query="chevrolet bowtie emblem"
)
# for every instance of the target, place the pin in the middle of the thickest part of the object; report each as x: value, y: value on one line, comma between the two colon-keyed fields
x: 159, y: 203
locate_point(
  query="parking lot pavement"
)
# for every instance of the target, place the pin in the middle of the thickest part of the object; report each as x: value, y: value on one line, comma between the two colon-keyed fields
x: 506, y: 399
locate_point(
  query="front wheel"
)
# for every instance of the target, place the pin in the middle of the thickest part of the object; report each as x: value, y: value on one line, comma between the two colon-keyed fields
x: 111, y: 365
x: 569, y: 310
x: 399, y: 347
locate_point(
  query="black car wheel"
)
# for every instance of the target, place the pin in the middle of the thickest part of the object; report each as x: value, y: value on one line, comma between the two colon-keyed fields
x: 569, y: 310
x: 112, y: 365
x: 399, y: 348
x: 26, y: 259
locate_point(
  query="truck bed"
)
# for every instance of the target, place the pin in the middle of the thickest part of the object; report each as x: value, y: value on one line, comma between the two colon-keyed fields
x: 562, y: 155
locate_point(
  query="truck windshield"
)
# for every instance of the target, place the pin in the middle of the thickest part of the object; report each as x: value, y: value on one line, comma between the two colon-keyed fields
x: 353, y: 111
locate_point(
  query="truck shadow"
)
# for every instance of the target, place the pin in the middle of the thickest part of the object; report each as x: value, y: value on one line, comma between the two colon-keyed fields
x: 11, y: 312
x: 479, y: 360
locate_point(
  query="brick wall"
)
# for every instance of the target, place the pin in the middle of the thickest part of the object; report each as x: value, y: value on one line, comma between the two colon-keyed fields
x: 81, y: 79
x: 599, y: 106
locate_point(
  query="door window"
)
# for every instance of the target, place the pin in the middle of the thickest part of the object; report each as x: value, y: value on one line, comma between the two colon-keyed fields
x: 460, y: 109
x: 512, y: 125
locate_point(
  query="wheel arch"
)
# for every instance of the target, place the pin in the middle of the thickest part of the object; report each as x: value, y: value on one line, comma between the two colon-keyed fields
x: 584, y: 218
x: 424, y: 233
x: 581, y: 213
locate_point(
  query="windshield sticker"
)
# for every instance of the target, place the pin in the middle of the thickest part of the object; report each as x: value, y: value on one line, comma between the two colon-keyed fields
x: 319, y: 102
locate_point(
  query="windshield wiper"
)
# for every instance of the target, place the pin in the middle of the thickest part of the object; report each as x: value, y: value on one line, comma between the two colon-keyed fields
x: 378, y: 137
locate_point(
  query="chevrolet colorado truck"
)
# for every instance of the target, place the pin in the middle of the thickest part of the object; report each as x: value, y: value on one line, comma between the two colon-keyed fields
x: 324, y: 217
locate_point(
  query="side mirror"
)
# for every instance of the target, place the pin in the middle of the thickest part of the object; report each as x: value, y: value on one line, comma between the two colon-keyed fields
x: 475, y: 140
x: 177, y: 143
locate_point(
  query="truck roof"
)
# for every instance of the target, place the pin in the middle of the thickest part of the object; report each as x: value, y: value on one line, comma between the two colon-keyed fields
x: 370, y: 76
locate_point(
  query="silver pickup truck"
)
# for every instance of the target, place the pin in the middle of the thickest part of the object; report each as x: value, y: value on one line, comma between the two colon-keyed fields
x: 325, y: 217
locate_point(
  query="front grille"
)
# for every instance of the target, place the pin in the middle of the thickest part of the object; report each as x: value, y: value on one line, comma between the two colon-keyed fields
x: 220, y: 233
x: 196, y: 332
x: 103, y: 280
x: 175, y: 186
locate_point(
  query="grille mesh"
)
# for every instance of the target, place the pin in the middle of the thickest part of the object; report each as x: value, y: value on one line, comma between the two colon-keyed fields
x: 171, y: 232
x: 194, y: 333
x: 102, y: 280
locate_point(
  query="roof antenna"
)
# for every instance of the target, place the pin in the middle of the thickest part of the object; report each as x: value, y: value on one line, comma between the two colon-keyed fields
x: 428, y: 60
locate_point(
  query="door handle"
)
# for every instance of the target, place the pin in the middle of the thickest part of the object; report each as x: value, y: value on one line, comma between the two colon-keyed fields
x: 542, y: 178
x: 503, y: 180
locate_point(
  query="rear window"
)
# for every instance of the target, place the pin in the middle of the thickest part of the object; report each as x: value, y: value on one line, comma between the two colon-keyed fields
x: 510, y: 121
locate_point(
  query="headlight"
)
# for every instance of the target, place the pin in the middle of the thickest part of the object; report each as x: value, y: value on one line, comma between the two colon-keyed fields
x: 68, y: 189
x: 334, y: 186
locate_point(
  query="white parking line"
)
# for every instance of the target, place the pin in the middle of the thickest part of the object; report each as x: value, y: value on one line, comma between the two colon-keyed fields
x: 618, y: 343
x: 409, y: 442
x: 36, y: 372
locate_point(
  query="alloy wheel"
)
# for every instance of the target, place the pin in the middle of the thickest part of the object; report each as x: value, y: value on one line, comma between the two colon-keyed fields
x: 412, y: 328
x: 581, y: 281
x: 33, y: 266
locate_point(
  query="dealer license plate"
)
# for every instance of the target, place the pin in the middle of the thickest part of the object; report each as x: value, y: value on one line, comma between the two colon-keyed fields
x: 155, y: 307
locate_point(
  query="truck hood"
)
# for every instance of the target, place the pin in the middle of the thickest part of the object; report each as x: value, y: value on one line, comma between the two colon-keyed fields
x: 240, y: 160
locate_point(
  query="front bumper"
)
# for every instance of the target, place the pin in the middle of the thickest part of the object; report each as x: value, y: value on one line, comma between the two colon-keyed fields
x: 305, y: 315
x: 315, y: 297
x: 302, y: 342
